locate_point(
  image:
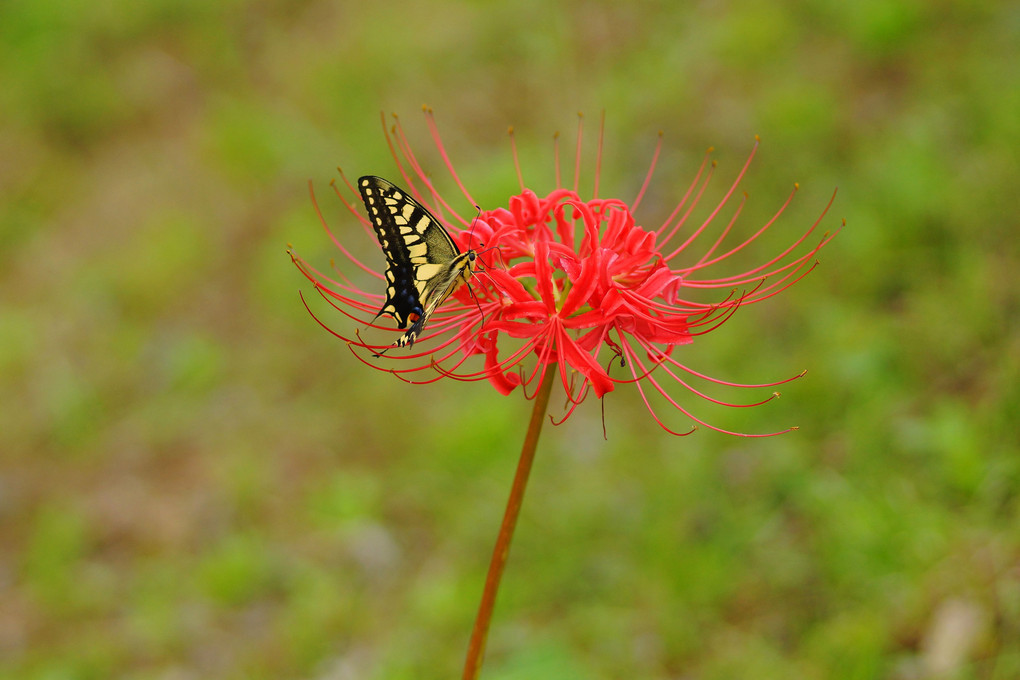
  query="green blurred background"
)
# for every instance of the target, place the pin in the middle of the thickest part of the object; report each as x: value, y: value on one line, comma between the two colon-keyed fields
x: 199, y: 482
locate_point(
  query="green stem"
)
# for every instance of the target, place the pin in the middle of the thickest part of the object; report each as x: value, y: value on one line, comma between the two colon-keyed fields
x: 476, y: 648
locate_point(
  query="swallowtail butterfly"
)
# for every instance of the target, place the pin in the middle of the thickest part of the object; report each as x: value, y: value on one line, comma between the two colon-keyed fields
x: 423, y: 264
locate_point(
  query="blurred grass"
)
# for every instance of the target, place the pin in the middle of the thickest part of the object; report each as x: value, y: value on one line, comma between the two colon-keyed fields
x: 197, y: 482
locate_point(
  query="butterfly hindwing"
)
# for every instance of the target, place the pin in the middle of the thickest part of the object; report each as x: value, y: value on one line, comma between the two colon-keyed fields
x: 423, y: 264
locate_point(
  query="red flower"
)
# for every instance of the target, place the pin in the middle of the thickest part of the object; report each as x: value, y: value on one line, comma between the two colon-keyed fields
x: 571, y: 281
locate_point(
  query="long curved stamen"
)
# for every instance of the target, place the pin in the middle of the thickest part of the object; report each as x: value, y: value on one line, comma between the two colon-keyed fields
x: 648, y: 176
x: 683, y: 201
x: 719, y: 206
x: 577, y: 152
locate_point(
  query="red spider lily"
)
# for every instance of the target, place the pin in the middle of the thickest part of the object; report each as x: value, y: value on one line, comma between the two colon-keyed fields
x: 573, y: 281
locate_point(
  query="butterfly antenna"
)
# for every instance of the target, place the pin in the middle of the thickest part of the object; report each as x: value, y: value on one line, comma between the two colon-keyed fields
x: 482, y: 249
x: 471, y: 229
x: 501, y: 260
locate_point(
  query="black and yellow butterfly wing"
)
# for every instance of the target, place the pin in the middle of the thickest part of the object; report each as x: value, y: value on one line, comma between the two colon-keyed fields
x: 423, y: 264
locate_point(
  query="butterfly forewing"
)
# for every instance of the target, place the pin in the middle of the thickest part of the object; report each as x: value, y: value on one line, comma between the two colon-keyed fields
x: 423, y: 264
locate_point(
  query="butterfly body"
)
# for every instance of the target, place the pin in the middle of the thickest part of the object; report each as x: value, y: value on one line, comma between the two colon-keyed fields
x: 423, y: 264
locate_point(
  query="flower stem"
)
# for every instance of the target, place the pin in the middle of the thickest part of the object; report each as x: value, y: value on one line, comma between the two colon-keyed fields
x: 476, y: 648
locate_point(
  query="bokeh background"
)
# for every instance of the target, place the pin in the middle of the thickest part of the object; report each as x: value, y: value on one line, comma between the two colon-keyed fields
x: 196, y: 481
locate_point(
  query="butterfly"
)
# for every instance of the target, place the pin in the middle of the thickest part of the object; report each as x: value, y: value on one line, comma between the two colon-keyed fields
x: 423, y: 264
